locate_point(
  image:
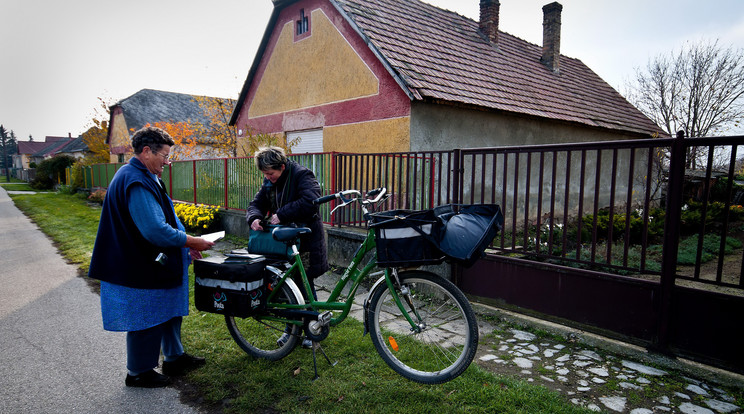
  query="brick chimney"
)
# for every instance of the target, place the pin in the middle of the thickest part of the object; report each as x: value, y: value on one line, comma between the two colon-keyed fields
x: 551, y: 51
x: 489, y: 20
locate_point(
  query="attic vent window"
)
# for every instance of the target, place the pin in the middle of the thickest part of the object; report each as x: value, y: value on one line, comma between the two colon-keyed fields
x: 302, y: 25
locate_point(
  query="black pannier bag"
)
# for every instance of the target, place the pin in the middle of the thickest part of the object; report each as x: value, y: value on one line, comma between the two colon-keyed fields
x: 229, y: 286
x: 404, y: 238
x: 467, y: 230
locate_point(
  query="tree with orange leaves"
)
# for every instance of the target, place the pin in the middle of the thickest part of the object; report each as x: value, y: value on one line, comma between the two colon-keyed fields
x: 222, y: 136
x: 95, y: 139
x: 184, y: 134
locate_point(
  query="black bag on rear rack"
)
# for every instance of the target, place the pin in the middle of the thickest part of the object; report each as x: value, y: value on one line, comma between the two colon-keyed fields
x: 229, y: 286
x: 405, y: 238
x: 467, y: 230
x: 454, y: 232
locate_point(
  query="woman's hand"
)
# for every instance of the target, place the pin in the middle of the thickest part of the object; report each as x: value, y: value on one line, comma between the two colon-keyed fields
x: 197, y: 243
x: 256, y: 225
x: 195, y: 254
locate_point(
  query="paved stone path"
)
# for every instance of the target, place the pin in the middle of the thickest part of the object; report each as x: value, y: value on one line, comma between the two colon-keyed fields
x: 599, y: 380
x: 603, y: 379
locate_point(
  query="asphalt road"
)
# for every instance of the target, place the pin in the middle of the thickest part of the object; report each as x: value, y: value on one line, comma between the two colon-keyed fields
x: 55, y: 356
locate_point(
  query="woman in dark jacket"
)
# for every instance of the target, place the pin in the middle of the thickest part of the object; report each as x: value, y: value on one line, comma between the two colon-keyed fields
x: 286, y: 197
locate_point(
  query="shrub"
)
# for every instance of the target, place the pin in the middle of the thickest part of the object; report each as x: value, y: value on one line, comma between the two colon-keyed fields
x: 718, y: 191
x: 97, y: 196
x: 688, y: 248
x: 77, y: 175
x: 49, y: 170
x: 655, y: 228
x: 66, y: 189
x: 196, y: 217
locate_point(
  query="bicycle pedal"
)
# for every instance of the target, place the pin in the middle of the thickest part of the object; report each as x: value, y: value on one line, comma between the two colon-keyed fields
x: 325, y: 317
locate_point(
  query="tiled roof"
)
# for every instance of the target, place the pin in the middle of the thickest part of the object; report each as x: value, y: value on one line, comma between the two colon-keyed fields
x: 42, y: 149
x: 151, y: 106
x: 31, y: 147
x: 75, y: 145
x: 441, y: 56
x: 53, y: 147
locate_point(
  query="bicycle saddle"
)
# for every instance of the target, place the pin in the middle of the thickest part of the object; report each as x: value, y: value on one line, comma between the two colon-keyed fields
x: 284, y: 234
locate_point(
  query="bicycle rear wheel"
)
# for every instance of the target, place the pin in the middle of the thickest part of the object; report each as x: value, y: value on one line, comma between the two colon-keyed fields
x: 447, y: 336
x: 263, y: 338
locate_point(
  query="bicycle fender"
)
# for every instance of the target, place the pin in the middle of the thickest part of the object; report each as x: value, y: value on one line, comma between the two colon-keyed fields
x: 372, y: 290
x: 298, y: 294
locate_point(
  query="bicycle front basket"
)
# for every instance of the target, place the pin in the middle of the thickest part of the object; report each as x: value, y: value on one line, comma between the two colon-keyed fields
x: 405, y: 238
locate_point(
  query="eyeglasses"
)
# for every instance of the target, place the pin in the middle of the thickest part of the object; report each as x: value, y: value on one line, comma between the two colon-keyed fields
x: 166, y: 157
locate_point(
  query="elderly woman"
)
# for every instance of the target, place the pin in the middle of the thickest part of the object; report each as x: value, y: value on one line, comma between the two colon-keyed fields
x: 287, y: 197
x: 141, y: 256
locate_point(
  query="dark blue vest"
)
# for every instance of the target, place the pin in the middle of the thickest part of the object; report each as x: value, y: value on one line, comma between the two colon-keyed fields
x: 121, y: 255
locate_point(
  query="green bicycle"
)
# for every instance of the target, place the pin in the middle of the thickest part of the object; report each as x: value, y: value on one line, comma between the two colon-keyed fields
x: 421, y: 324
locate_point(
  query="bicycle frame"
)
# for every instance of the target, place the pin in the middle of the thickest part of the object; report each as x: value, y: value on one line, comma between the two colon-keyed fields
x: 352, y: 274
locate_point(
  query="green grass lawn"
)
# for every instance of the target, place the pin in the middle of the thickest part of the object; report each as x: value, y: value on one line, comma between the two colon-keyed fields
x: 359, y: 383
x: 4, y: 179
x: 21, y: 186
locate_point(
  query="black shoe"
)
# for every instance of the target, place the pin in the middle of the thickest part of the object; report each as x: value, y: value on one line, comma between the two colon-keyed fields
x: 182, y: 365
x: 149, y: 379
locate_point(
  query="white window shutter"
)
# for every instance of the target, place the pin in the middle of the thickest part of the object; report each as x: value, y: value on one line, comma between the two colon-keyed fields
x: 311, y: 141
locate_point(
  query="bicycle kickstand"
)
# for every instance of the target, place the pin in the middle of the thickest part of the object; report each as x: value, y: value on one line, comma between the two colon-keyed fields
x: 316, y: 345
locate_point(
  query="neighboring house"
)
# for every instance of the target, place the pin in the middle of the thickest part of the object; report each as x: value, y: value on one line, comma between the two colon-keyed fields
x: 76, y: 148
x: 150, y: 106
x: 36, y: 151
x: 402, y: 75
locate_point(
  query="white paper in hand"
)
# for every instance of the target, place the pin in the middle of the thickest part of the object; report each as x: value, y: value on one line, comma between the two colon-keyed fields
x: 213, y: 237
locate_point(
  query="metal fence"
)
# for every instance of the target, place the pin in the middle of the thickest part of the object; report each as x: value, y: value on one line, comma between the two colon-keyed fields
x: 599, y: 206
x: 229, y: 183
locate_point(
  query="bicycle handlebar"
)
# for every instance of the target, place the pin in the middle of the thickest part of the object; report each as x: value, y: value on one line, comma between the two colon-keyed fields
x: 324, y: 199
x: 347, y: 196
x: 340, y: 195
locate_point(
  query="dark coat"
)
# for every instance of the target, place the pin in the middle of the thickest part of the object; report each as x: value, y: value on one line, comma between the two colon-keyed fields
x: 291, y: 199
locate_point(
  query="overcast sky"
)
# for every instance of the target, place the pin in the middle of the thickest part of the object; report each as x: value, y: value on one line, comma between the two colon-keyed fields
x: 57, y: 57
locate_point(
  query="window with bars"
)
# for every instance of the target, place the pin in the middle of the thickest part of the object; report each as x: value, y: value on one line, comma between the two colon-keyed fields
x: 303, y: 24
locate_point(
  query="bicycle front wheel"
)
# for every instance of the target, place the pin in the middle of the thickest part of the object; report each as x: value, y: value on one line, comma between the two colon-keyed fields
x: 266, y: 339
x: 444, y: 342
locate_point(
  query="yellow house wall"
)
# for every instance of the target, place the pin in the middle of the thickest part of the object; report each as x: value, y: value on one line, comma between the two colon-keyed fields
x: 387, y: 135
x: 307, y: 73
x: 119, y: 137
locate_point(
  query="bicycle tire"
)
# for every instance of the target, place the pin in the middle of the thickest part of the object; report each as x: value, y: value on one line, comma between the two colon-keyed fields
x: 447, y: 343
x: 260, y: 338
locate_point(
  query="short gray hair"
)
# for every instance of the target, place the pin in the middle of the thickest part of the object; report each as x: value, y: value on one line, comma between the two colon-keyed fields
x: 270, y: 158
x: 152, y: 137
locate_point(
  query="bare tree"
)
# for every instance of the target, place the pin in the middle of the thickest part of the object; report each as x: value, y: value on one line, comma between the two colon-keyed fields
x: 699, y: 91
